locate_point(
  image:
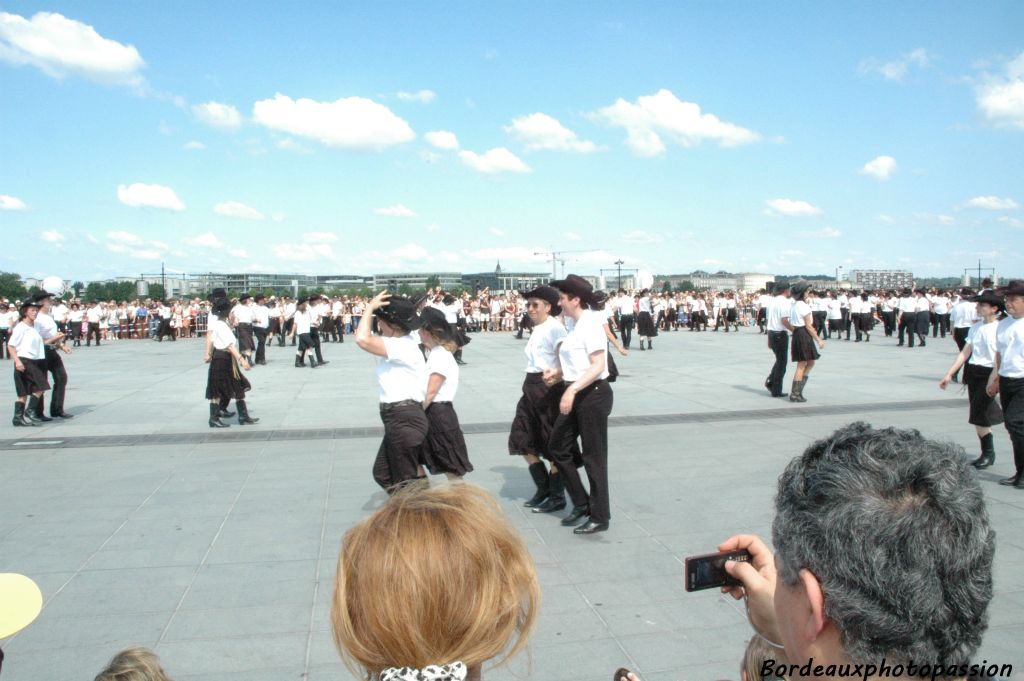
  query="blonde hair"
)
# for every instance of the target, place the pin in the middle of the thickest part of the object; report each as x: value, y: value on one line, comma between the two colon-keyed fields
x: 446, y: 343
x: 436, y: 575
x: 758, y: 650
x: 133, y: 664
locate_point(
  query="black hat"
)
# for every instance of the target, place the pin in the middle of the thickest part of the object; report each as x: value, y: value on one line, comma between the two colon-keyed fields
x: 989, y: 297
x: 28, y: 303
x: 221, y: 306
x: 780, y: 285
x: 400, y: 311
x: 244, y: 297
x: 546, y: 293
x: 433, y: 320
x: 575, y: 285
x: 1014, y: 287
x: 41, y: 296
x: 908, y: 292
x: 448, y: 299
x: 798, y: 287
x: 966, y: 291
x: 217, y: 293
x: 259, y: 297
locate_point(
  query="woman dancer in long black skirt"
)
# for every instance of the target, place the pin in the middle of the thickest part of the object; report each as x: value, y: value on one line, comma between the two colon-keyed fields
x: 444, y: 450
x: 225, y: 380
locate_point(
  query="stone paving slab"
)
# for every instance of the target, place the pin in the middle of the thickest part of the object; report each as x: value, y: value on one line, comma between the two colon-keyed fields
x: 221, y: 555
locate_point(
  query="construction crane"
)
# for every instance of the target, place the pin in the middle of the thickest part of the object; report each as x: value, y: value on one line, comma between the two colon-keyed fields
x: 556, y: 258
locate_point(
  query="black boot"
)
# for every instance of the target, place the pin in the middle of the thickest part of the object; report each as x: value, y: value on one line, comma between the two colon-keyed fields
x: 1014, y: 481
x: 988, y: 453
x: 19, y: 416
x: 556, y: 496
x: 215, y: 421
x: 299, y: 361
x: 796, y: 393
x: 539, y: 473
x: 243, y: 414
x: 31, y: 409
x: 312, y: 362
x: 223, y: 410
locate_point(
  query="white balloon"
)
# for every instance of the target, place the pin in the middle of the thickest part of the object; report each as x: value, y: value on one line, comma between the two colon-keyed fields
x: 644, y: 279
x: 54, y: 285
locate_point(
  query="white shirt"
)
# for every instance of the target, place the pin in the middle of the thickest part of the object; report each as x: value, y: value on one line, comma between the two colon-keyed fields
x: 940, y: 304
x: 93, y: 314
x: 835, y: 310
x: 221, y: 333
x: 1010, y: 344
x: 46, y: 327
x: 779, y: 309
x: 242, y: 313
x: 76, y: 316
x: 856, y: 306
x: 982, y: 339
x: 403, y: 374
x: 289, y: 310
x: 585, y: 338
x: 440, y: 361
x: 763, y: 301
x: 645, y: 304
x: 8, y: 319
x: 800, y: 310
x: 27, y: 342
x: 451, y: 312
x: 964, y: 314
x: 542, y: 348
x: 302, y: 321
x: 907, y: 304
x: 624, y: 304
x: 923, y: 305
x: 59, y: 312
x: 261, y: 316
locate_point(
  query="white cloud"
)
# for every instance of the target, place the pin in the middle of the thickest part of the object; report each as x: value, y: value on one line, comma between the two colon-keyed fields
x: 234, y: 209
x: 791, y: 253
x: 992, y: 203
x: 52, y: 236
x: 422, y: 96
x: 573, y: 236
x: 496, y: 231
x: 538, y: 131
x: 319, y: 237
x: 411, y: 252
x: 238, y: 252
x: 664, y: 115
x: 896, y: 69
x: 289, y: 144
x: 823, y: 233
x: 124, y: 237
x: 11, y: 203
x: 351, y: 122
x: 141, y: 254
x: 497, y: 160
x: 195, y: 145
x: 639, y: 236
x: 218, y: 115
x: 791, y: 207
x: 433, y: 228
x: 205, y: 240
x: 397, y: 211
x: 59, y: 46
x: 945, y: 219
x: 140, y: 195
x: 880, y: 167
x: 442, y: 139
x: 886, y: 219
x: 1001, y: 98
x: 1013, y: 222
x: 303, y: 252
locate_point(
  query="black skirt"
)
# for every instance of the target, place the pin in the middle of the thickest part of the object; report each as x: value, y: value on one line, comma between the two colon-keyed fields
x: 245, y: 342
x: 985, y: 410
x: 802, y: 348
x: 32, y: 379
x: 444, y: 450
x: 536, y: 412
x: 645, y: 325
x: 225, y: 380
x: 405, y: 427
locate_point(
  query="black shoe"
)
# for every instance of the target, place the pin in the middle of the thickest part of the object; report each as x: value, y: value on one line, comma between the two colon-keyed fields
x: 62, y: 415
x: 982, y: 462
x: 215, y: 421
x: 554, y: 502
x: 1015, y: 481
x: 590, y: 527
x: 299, y: 362
x: 781, y: 395
x: 539, y: 473
x: 224, y: 413
x: 577, y: 513
x: 322, y: 362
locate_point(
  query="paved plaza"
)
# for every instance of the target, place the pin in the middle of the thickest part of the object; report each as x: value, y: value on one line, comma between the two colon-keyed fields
x: 217, y: 549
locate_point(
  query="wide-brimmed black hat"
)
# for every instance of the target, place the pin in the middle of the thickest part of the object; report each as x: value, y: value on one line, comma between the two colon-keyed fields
x: 780, y: 285
x: 798, y: 287
x: 41, y: 296
x: 448, y: 299
x: 400, y: 311
x: 28, y: 303
x: 575, y: 285
x: 244, y: 297
x: 433, y: 320
x: 548, y: 294
x: 220, y: 306
x: 217, y: 293
x: 966, y: 291
x: 988, y: 297
x: 1014, y: 287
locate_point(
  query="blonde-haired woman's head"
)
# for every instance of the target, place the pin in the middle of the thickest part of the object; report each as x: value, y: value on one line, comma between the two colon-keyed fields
x: 757, y: 653
x: 435, y: 576
x: 133, y: 664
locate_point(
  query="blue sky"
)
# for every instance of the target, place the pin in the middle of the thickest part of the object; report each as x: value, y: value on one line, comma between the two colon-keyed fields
x: 359, y: 138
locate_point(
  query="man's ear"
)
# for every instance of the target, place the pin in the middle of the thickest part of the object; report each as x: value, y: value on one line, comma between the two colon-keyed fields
x: 815, y: 599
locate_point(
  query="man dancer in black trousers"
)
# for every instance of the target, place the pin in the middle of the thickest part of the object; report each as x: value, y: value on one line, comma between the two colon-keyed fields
x: 779, y: 325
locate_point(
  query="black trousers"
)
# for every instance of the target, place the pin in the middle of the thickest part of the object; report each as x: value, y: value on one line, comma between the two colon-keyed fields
x: 588, y: 420
x: 778, y: 342
x: 626, y: 324
x: 94, y: 331
x: 314, y: 334
x: 908, y: 324
x: 4, y: 335
x: 405, y: 428
x: 1011, y: 397
x: 164, y: 329
x: 55, y: 366
x: 819, y: 318
x: 940, y: 325
x: 845, y: 311
x: 889, y: 322
x: 305, y: 343
x: 261, y: 343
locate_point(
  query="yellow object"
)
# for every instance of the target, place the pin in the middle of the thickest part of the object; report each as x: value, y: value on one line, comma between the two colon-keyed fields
x: 20, y: 603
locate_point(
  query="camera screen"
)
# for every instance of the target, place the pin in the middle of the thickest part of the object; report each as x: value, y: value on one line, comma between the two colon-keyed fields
x: 706, y: 572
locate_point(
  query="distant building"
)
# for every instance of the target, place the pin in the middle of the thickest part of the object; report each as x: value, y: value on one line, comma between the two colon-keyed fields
x: 500, y: 281
x: 885, y: 279
x: 417, y: 280
x: 746, y: 282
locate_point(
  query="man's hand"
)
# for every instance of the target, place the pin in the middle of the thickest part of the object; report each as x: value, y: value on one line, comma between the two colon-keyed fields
x: 552, y: 376
x: 992, y: 389
x: 758, y: 577
x: 568, y: 397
